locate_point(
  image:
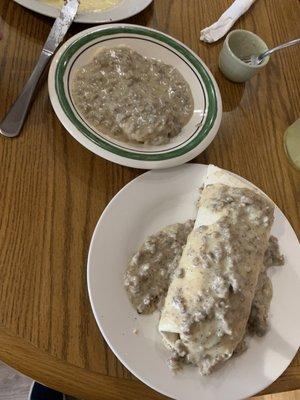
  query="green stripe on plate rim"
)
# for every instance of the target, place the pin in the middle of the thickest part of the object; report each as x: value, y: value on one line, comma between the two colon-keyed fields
x: 212, y: 108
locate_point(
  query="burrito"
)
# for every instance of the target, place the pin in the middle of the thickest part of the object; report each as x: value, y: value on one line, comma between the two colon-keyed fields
x: 207, y: 307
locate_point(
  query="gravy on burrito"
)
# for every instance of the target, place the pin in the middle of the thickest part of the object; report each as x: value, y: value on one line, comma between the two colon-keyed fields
x: 209, y: 279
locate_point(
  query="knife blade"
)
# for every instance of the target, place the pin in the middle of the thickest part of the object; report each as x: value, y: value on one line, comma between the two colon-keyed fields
x: 61, y: 25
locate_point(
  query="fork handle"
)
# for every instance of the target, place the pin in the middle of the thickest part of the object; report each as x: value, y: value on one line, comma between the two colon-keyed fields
x: 12, y: 124
x: 279, y: 47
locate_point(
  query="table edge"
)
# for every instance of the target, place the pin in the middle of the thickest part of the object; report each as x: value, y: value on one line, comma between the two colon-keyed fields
x: 48, y: 370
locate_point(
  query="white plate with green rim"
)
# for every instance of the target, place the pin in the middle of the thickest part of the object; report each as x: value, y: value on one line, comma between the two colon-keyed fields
x: 195, y: 136
x: 150, y: 202
x: 124, y: 9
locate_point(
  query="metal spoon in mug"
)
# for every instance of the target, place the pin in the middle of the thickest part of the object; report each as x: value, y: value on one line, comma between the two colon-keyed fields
x: 12, y: 124
x: 256, y: 60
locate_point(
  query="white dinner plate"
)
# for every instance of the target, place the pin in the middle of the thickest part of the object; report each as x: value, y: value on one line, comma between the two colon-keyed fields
x: 125, y: 9
x: 148, y: 203
x: 194, y: 137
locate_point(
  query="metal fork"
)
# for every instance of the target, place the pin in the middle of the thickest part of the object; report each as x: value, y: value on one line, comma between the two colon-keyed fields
x: 256, y: 60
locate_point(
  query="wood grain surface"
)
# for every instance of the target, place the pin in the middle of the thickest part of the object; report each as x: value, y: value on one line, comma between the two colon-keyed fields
x: 52, y: 191
x: 15, y: 386
x: 294, y: 395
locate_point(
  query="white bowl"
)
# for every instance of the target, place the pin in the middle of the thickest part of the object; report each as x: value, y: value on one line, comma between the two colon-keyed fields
x: 195, y: 136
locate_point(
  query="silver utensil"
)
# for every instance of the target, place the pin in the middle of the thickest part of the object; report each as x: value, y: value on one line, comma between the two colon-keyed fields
x: 12, y: 123
x: 256, y: 60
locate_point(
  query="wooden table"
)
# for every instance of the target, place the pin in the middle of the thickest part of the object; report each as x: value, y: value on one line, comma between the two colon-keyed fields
x: 52, y: 192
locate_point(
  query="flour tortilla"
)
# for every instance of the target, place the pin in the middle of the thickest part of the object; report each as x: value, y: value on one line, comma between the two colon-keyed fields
x: 171, y: 321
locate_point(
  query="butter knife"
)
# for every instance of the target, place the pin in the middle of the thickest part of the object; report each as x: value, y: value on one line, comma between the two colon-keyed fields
x: 13, y: 122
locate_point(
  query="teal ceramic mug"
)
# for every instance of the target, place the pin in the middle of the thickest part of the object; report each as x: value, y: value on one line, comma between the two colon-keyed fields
x: 237, y: 45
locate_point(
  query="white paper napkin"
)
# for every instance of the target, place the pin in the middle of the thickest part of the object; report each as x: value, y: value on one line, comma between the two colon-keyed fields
x: 225, y: 22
